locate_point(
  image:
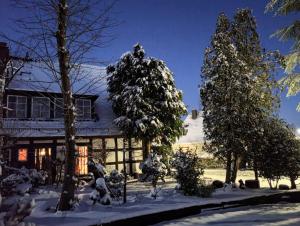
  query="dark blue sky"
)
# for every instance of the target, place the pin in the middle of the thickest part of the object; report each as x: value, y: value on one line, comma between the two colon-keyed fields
x: 178, y: 31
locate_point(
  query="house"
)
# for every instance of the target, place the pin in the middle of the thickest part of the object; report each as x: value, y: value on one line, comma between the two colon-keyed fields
x: 34, y: 127
x: 193, y: 140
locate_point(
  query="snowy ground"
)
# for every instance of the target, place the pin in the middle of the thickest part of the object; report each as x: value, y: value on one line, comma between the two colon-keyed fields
x: 139, y: 203
x: 276, y: 214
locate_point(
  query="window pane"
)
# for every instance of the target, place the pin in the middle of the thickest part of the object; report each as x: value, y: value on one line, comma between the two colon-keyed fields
x: 17, y: 106
x: 40, y: 107
x: 83, y: 108
x: 109, y: 143
x: 22, y: 154
x: 82, y: 161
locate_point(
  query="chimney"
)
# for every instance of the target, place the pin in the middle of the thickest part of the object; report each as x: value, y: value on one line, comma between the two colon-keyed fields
x: 4, y: 56
x: 194, y: 114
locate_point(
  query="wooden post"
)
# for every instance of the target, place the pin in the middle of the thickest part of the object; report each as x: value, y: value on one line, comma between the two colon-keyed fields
x: 125, y: 173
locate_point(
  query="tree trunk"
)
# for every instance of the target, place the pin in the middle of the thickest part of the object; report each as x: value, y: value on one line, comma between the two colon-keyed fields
x: 293, y: 183
x: 228, y: 167
x: 146, y: 148
x: 67, y: 195
x: 255, y: 169
x: 236, y: 165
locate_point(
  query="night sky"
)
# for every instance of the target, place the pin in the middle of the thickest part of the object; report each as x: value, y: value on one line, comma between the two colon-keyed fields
x: 178, y: 31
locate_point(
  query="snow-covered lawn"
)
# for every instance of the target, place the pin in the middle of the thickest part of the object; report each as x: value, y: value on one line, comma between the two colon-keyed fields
x: 139, y: 203
x: 275, y: 214
x: 219, y: 174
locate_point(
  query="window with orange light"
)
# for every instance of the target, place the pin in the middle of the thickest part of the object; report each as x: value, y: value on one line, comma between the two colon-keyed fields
x: 82, y: 161
x: 22, y: 154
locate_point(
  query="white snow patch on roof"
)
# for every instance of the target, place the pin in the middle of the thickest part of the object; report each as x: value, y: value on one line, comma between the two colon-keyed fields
x: 194, y: 128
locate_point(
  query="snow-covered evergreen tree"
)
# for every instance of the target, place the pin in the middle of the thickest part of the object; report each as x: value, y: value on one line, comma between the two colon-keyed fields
x: 261, y: 100
x: 145, y: 99
x: 237, y: 90
x: 224, y: 92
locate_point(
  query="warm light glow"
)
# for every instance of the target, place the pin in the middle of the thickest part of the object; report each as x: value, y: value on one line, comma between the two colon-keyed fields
x: 22, y: 154
x: 82, y: 161
x: 298, y: 131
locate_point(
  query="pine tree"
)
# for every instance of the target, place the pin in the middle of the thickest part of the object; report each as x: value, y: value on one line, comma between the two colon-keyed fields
x: 289, y: 33
x: 238, y: 90
x: 261, y: 100
x: 144, y: 98
x: 224, y: 93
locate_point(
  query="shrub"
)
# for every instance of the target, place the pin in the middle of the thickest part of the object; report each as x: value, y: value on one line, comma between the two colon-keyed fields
x: 283, y: 187
x: 217, y: 184
x: 153, y: 169
x: 115, y: 183
x: 252, y: 183
x: 204, y: 190
x: 188, y: 171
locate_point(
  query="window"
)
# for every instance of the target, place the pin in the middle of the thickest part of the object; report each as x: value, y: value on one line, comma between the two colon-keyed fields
x: 59, y: 108
x: 83, y: 107
x: 82, y: 161
x: 17, y: 106
x: 22, y: 154
x: 40, y: 107
x: 42, y: 155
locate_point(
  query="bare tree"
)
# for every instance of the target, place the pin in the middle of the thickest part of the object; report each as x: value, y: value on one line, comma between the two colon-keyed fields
x: 61, y: 35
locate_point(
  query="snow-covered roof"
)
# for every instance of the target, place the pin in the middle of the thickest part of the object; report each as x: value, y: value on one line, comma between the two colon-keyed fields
x: 34, y: 76
x: 91, y: 81
x: 194, y: 130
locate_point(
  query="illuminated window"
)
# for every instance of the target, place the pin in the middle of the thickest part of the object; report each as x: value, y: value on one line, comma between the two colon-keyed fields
x: 22, y: 154
x: 82, y: 161
x: 41, y: 156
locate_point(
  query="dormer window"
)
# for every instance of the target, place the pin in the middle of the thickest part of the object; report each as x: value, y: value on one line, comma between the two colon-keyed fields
x: 40, y: 107
x: 83, y: 107
x: 17, y: 106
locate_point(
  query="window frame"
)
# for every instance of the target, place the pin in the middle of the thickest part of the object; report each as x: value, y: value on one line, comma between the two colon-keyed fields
x: 32, y: 103
x: 90, y: 106
x: 25, y: 111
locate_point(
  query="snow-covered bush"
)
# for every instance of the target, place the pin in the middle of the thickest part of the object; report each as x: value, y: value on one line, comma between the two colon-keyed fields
x: 115, y: 183
x: 97, y: 169
x: 22, y: 181
x: 188, y: 169
x: 153, y: 169
x: 18, y: 212
x: 101, y: 193
x: 205, y: 190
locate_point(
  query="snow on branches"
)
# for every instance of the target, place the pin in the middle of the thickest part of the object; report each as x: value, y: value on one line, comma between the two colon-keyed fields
x: 144, y: 97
